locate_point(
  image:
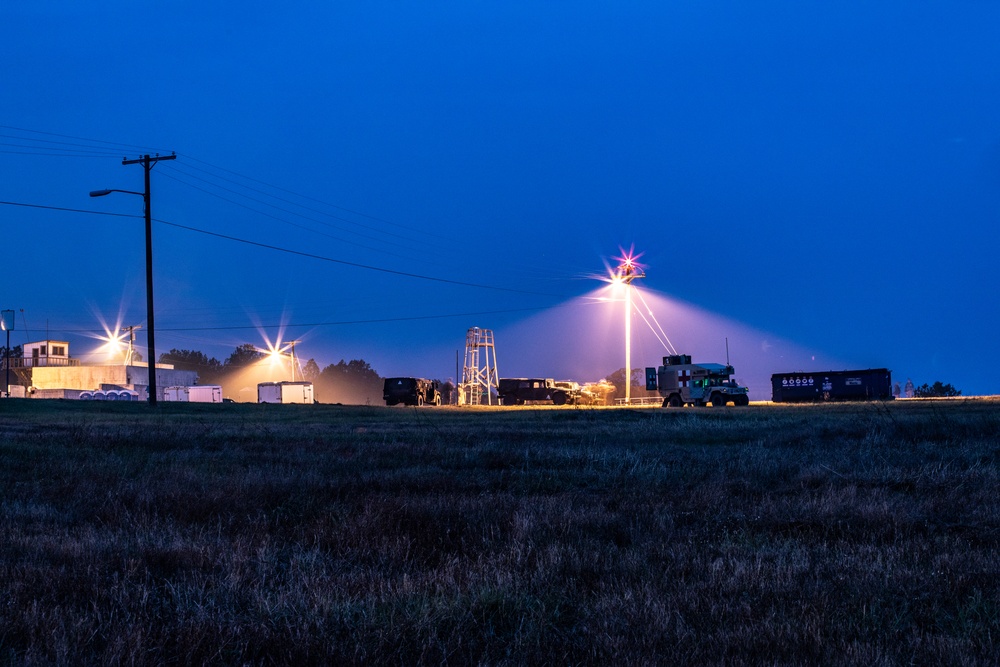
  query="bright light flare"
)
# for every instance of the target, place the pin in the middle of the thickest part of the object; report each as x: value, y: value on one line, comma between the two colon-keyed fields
x: 274, y: 353
x: 278, y: 354
x: 113, y: 343
x: 627, y: 270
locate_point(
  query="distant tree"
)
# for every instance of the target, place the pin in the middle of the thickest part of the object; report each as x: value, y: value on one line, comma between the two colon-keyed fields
x: 310, y: 371
x: 352, y: 381
x: 448, y: 395
x: 638, y: 383
x: 243, y: 356
x: 193, y: 360
x: 936, y: 389
x: 16, y: 352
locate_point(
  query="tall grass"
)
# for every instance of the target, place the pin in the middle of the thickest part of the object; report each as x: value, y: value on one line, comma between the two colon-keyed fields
x: 320, y: 534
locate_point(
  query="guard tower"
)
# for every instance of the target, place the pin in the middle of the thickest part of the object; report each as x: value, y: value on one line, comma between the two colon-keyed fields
x: 479, y: 372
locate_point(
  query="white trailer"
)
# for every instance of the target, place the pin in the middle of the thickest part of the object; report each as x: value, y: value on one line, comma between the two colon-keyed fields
x: 285, y: 392
x: 201, y: 393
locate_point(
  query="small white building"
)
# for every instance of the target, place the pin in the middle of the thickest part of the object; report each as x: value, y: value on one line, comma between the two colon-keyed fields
x: 47, y: 353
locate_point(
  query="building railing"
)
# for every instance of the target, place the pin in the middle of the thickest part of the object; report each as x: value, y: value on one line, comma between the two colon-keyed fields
x: 39, y: 362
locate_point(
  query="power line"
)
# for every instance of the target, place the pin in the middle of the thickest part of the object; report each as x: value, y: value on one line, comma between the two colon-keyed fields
x: 291, y: 192
x: 70, y: 210
x: 284, y: 200
x: 289, y: 251
x: 53, y: 154
x: 57, y: 143
x: 41, y: 150
x: 314, y: 325
x: 356, y: 265
x: 146, y: 149
x: 280, y: 219
x: 69, y: 136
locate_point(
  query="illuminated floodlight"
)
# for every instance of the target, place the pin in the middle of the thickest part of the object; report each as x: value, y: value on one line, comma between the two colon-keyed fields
x: 275, y: 353
x: 629, y: 269
x: 114, y: 344
x: 621, y: 278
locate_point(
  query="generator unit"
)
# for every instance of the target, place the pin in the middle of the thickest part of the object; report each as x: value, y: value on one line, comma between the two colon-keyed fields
x: 681, y: 382
x: 872, y: 384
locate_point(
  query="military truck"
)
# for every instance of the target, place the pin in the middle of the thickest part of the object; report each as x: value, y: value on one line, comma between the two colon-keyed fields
x: 516, y: 391
x: 681, y: 382
x: 411, y: 391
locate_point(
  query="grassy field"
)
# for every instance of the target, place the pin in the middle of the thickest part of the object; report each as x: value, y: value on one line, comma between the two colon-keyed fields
x: 247, y: 534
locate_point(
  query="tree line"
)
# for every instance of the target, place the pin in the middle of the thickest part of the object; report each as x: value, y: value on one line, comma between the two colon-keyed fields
x: 353, y: 381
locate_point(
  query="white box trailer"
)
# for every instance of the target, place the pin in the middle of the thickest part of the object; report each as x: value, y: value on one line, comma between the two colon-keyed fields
x: 285, y: 392
x: 202, y: 393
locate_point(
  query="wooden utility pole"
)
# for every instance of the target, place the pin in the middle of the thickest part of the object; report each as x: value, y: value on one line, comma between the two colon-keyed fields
x: 147, y: 163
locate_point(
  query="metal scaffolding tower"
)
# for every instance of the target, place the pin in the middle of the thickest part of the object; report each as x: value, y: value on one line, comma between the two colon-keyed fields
x: 479, y: 372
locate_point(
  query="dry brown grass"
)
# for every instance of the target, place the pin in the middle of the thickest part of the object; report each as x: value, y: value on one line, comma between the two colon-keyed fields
x: 244, y: 534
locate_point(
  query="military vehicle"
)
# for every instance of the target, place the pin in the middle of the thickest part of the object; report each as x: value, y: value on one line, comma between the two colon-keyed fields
x: 411, y: 391
x: 517, y: 391
x: 681, y: 382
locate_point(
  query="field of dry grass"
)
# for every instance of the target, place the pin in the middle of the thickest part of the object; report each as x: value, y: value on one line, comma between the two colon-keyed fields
x: 246, y: 534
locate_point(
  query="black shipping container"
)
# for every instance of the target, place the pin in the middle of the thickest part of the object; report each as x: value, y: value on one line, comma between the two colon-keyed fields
x: 873, y: 384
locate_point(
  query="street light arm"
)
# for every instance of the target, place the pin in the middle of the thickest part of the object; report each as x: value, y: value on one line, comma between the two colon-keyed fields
x: 101, y: 193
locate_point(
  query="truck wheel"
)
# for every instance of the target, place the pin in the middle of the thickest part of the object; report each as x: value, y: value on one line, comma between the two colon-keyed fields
x: 743, y: 400
x: 559, y: 399
x: 420, y: 401
x: 437, y: 400
x: 675, y: 401
x: 718, y: 400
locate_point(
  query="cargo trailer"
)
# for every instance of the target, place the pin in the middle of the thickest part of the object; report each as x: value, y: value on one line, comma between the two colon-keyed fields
x: 872, y: 384
x: 285, y: 392
x: 202, y: 393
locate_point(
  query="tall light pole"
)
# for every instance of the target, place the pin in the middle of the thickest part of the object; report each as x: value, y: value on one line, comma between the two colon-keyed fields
x: 7, y: 323
x: 627, y: 272
x: 147, y: 163
x: 294, y: 361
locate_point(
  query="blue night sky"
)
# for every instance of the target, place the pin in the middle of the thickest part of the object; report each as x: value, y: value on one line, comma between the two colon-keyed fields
x: 817, y: 182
